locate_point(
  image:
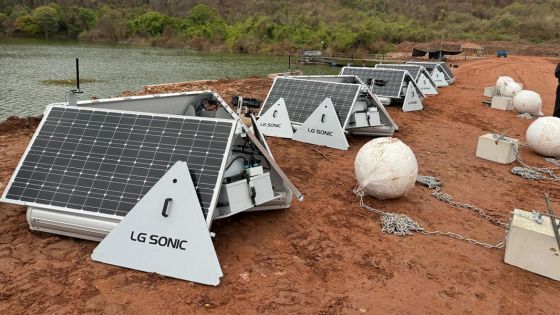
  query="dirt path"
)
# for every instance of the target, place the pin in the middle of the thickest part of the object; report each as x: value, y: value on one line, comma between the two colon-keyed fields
x: 325, y: 255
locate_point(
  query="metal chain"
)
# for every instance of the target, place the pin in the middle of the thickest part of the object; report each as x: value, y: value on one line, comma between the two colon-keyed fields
x: 402, y: 225
x: 553, y: 161
x: 525, y: 116
x: 526, y: 171
x: 530, y: 172
x: 444, y: 197
x: 468, y: 240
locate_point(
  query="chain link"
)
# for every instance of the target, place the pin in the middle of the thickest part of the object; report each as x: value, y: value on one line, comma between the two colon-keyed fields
x: 468, y: 240
x: 553, y: 161
x: 444, y: 197
x: 402, y: 225
x: 525, y: 116
x: 527, y: 171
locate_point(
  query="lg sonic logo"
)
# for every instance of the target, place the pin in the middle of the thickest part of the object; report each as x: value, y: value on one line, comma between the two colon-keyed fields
x: 320, y: 132
x: 271, y: 125
x: 162, y: 241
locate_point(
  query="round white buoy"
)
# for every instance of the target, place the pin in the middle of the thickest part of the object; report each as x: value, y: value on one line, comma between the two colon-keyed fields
x: 509, y: 89
x: 527, y: 102
x: 543, y: 136
x: 386, y: 168
x: 501, y: 80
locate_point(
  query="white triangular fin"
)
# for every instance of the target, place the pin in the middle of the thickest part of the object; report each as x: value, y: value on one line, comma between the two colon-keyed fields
x: 177, y: 245
x: 412, y: 100
x: 426, y: 85
x: 439, y: 78
x: 275, y: 122
x: 323, y: 127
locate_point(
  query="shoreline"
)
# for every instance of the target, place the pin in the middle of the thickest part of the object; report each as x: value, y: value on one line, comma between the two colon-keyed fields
x: 520, y: 48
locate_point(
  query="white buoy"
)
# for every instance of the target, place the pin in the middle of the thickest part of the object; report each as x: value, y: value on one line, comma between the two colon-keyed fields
x: 527, y: 102
x: 543, y: 136
x: 501, y: 80
x: 509, y: 89
x: 386, y: 168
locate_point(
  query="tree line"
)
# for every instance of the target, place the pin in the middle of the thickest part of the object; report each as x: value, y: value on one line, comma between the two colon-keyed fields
x: 281, y: 26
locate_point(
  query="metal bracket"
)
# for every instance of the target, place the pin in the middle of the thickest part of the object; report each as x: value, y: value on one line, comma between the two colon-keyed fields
x: 145, y: 234
x: 323, y: 127
x: 412, y: 100
x: 429, y: 181
x: 276, y: 122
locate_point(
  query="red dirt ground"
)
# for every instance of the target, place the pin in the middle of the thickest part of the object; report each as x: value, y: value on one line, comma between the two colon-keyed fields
x: 324, y: 255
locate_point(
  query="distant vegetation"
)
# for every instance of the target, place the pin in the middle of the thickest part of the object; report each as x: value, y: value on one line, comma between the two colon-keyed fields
x: 281, y: 26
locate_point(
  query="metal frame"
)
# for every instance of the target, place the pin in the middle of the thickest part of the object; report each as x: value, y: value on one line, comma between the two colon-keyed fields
x: 428, y: 76
x: 301, y: 78
x: 363, y: 131
x: 211, y: 208
x: 449, y: 79
x: 422, y: 70
x: 382, y: 69
x: 406, y: 73
x: 155, y: 96
x: 394, y: 66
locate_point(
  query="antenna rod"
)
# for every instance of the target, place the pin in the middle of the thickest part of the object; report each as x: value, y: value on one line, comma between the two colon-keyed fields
x: 289, y: 62
x: 78, y: 74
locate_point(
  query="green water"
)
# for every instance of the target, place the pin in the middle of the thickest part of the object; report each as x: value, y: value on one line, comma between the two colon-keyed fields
x: 26, y: 67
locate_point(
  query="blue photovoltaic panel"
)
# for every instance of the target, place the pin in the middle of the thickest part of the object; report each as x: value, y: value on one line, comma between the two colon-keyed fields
x: 302, y: 97
x: 105, y: 161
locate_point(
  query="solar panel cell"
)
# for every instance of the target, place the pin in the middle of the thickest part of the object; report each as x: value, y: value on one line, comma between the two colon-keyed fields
x: 303, y: 96
x: 384, y: 82
x: 103, y: 161
x: 430, y: 66
x: 414, y: 70
x: 447, y: 71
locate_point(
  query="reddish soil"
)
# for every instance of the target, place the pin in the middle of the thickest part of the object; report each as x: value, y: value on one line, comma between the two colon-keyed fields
x: 326, y: 254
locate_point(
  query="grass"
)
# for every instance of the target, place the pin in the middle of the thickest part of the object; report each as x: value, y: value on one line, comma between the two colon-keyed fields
x: 69, y: 82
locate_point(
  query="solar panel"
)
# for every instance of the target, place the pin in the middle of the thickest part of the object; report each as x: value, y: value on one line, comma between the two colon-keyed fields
x: 302, y: 97
x: 447, y: 71
x: 104, y: 161
x: 414, y: 70
x: 390, y: 80
x: 430, y: 66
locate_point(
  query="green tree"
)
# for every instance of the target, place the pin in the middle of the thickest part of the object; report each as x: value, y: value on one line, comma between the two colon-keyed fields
x: 26, y: 23
x: 77, y: 20
x: 47, y: 18
x: 3, y: 19
x: 203, y: 22
x: 151, y: 23
x: 112, y: 25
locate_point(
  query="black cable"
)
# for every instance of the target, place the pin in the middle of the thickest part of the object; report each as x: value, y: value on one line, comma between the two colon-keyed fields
x: 235, y: 159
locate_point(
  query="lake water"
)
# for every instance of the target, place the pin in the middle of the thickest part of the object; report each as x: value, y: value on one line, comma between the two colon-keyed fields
x: 26, y: 64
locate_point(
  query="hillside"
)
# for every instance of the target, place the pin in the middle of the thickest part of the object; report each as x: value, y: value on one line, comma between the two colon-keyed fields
x: 281, y: 26
x: 325, y: 255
